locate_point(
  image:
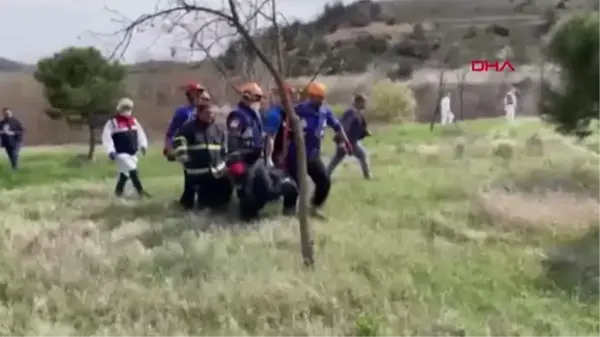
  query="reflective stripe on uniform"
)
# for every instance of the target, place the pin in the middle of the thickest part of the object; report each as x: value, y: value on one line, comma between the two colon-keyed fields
x: 209, y: 147
x: 214, y: 170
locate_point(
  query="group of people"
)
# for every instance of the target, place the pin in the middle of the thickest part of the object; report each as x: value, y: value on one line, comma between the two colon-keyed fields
x: 509, y: 103
x: 253, y: 155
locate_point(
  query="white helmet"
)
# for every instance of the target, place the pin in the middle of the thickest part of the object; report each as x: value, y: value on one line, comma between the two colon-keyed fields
x: 125, y: 104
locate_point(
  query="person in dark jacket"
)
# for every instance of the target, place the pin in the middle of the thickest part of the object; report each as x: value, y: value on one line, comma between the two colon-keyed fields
x: 11, y: 136
x: 195, y: 93
x: 355, y: 126
x: 201, y: 146
x: 123, y: 137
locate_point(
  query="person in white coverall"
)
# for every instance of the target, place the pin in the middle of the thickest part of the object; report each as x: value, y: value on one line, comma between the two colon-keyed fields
x: 510, y: 104
x: 447, y: 117
x: 122, y: 138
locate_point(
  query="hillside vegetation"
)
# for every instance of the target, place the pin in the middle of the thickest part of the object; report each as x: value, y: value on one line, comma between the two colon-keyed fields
x: 477, y: 229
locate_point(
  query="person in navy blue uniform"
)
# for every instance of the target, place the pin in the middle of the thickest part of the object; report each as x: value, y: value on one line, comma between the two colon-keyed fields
x: 11, y: 136
x: 200, y: 145
x: 122, y: 138
x: 194, y: 92
x: 315, y: 116
x: 256, y: 182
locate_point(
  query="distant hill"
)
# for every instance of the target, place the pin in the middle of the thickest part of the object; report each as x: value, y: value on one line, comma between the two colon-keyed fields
x: 10, y: 65
x: 400, y: 36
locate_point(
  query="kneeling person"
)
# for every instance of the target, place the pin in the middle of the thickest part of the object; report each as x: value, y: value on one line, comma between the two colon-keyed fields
x: 122, y: 137
x: 200, y: 145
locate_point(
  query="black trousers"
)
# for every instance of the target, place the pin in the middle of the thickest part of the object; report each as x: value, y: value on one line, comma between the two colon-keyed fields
x: 260, y: 186
x: 317, y: 171
x: 12, y: 151
x: 210, y: 192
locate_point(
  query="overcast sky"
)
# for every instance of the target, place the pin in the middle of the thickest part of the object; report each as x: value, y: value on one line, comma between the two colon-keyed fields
x: 31, y: 29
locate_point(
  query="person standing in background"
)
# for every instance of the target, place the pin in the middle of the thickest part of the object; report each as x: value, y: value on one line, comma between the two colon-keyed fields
x: 355, y: 126
x: 446, y: 110
x: 510, y: 104
x: 11, y: 136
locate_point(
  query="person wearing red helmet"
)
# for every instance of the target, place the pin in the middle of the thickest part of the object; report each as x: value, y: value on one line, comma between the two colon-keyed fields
x: 182, y: 114
x: 200, y: 145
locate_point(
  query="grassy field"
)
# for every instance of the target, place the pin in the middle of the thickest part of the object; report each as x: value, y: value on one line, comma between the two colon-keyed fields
x: 476, y: 229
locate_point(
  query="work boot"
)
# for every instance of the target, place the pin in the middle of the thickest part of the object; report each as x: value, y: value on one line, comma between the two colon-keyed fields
x: 316, y: 213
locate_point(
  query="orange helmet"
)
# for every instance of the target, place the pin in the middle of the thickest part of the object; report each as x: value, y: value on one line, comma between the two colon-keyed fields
x: 316, y: 89
x: 251, y: 91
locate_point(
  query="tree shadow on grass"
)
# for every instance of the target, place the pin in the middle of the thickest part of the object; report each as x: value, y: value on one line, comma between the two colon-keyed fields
x: 203, y: 221
x: 574, y: 266
x: 174, y: 221
x: 118, y: 212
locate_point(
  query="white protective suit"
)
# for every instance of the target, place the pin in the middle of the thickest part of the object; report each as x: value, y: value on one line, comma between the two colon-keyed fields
x: 510, y: 105
x: 125, y: 162
x: 447, y: 117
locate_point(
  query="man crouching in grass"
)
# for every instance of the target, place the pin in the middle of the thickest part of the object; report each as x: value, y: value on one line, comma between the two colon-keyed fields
x: 122, y: 137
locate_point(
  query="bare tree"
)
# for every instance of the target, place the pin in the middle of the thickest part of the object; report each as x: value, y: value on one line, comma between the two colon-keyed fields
x: 177, y: 12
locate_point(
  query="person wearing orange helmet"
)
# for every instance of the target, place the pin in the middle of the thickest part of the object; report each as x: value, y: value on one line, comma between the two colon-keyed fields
x: 193, y: 93
x: 314, y: 115
x: 200, y: 145
x: 255, y: 183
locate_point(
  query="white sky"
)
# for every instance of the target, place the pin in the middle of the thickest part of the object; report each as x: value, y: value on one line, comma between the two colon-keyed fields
x: 32, y: 29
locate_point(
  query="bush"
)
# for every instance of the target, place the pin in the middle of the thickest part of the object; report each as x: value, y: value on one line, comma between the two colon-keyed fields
x: 392, y: 102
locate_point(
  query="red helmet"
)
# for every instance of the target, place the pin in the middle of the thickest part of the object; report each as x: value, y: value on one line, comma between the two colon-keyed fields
x: 194, y: 86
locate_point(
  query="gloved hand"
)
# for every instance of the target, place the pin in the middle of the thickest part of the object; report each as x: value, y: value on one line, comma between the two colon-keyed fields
x: 143, y: 150
x: 112, y: 156
x: 348, y: 148
x: 166, y: 151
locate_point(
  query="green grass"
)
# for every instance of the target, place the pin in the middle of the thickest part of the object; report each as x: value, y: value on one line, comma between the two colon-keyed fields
x: 434, y: 245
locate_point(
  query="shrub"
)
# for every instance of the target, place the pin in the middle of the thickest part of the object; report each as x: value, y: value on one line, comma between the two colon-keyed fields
x: 392, y: 102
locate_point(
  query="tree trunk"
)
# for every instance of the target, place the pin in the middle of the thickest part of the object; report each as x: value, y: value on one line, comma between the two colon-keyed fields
x: 436, y: 110
x: 461, y: 91
x: 91, y: 141
x: 306, y: 240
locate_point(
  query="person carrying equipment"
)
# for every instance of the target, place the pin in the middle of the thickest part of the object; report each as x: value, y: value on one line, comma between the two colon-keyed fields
x: 201, y: 146
x: 256, y: 183
x: 314, y: 116
x: 193, y: 93
x: 122, y: 137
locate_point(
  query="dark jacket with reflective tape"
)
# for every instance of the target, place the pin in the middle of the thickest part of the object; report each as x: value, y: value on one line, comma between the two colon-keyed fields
x: 201, y: 147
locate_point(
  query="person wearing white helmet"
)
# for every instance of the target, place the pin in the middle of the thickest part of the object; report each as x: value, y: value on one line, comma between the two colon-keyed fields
x: 122, y: 138
x: 510, y: 104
